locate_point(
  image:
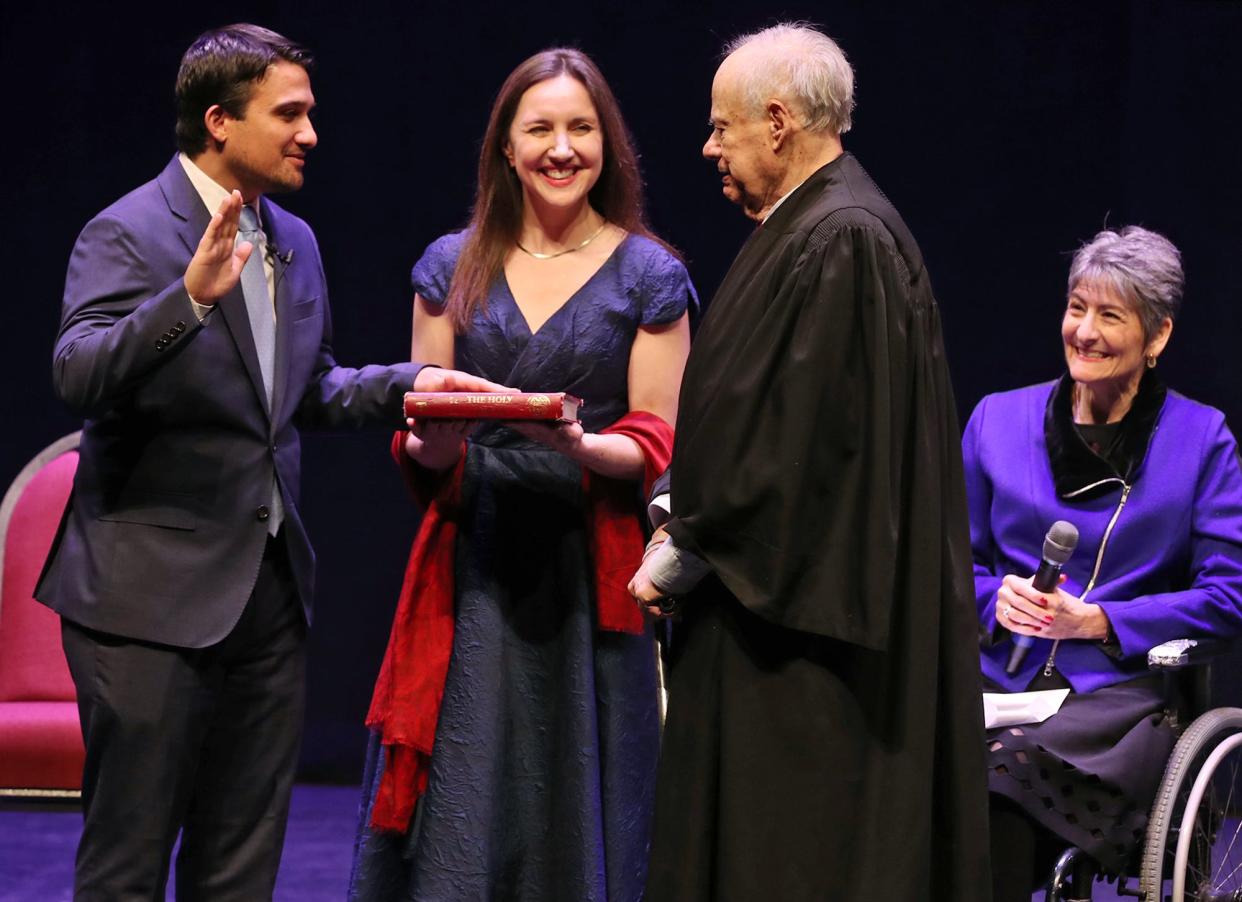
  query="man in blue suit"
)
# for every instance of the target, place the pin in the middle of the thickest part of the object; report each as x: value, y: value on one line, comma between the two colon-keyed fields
x: 182, y: 570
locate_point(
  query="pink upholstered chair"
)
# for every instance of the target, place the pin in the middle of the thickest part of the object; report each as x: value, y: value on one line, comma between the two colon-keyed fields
x: 40, y: 739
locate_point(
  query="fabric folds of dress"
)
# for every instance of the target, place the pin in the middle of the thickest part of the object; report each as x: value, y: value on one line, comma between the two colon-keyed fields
x: 405, y: 705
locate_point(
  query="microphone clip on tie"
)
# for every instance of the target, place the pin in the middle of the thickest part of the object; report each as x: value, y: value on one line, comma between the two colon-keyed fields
x: 273, y: 254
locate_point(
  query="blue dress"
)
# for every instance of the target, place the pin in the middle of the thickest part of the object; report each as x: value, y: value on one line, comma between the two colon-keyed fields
x: 542, y: 775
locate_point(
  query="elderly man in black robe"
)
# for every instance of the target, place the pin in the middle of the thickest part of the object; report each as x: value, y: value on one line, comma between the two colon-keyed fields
x: 824, y: 734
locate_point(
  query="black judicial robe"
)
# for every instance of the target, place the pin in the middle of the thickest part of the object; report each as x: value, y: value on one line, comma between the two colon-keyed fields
x: 824, y: 736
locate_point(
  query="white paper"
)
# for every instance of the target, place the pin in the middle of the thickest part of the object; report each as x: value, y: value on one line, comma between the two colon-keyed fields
x: 1008, y: 709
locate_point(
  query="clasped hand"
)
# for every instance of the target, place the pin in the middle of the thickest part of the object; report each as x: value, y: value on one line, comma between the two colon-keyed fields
x: 641, y: 588
x: 1048, y: 615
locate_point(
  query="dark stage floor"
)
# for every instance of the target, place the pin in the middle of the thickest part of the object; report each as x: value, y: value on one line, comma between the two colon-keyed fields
x: 37, y: 843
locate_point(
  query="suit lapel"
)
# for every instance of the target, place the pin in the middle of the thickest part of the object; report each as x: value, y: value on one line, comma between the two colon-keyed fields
x: 279, y: 239
x: 192, y: 218
x: 185, y: 205
x: 237, y: 317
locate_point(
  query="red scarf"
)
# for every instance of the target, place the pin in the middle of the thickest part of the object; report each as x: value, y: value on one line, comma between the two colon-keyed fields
x: 405, y: 706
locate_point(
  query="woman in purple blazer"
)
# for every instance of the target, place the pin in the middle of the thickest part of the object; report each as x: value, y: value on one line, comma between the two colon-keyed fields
x: 1151, y: 480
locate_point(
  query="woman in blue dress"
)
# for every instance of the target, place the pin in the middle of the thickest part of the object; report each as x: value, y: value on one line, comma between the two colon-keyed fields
x: 516, y: 712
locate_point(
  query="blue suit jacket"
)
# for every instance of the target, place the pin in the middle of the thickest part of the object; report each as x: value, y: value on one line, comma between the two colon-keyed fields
x: 167, y: 522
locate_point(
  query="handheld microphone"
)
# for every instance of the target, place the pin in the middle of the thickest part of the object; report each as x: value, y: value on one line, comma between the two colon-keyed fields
x: 1059, y: 545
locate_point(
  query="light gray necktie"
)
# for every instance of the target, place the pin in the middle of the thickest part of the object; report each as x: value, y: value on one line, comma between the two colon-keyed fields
x: 262, y: 327
x: 259, y: 300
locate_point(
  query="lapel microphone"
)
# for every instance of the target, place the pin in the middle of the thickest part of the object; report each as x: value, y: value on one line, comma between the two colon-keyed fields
x: 273, y: 254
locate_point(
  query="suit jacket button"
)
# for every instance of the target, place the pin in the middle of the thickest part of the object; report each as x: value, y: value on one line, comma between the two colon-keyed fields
x: 180, y: 327
x: 161, y: 344
x: 262, y: 513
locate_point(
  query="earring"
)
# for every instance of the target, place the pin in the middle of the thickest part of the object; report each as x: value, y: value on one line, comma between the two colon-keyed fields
x: 1151, y: 361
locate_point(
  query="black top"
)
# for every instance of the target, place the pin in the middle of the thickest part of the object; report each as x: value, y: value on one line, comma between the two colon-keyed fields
x: 1101, y: 438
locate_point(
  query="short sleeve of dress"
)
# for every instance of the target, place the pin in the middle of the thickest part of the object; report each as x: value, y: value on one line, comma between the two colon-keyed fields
x: 665, y: 290
x: 434, y: 270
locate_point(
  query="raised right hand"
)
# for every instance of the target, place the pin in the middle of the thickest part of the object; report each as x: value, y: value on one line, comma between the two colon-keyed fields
x: 216, y: 265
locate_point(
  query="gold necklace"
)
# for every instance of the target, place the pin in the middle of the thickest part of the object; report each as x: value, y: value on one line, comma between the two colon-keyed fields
x: 568, y: 250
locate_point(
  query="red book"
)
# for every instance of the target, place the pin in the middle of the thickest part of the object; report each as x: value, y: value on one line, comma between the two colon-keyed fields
x: 472, y: 405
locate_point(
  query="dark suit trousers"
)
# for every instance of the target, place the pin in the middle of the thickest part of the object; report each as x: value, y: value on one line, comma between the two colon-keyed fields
x: 202, y: 741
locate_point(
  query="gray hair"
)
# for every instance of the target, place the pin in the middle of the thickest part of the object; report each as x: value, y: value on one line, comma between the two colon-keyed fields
x: 804, y: 67
x: 1143, y: 267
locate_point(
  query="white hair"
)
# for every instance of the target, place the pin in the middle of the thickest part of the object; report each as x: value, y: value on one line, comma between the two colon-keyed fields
x: 1142, y: 266
x: 803, y: 67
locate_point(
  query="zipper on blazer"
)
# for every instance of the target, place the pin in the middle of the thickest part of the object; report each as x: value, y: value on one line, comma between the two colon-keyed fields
x: 1095, y: 572
x: 1094, y: 485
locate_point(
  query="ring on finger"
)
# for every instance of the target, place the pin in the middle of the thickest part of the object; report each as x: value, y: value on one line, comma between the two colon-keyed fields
x: 1006, y: 611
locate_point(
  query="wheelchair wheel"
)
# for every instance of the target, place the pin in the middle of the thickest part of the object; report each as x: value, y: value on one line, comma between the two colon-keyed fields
x: 1194, y: 838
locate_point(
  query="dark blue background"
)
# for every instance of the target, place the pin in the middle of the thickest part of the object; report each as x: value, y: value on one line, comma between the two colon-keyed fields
x: 1005, y: 133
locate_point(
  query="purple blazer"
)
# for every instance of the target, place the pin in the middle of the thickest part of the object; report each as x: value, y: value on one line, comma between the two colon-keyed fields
x: 1172, y: 564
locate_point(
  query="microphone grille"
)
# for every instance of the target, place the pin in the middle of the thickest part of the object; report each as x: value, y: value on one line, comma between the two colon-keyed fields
x: 1060, y: 542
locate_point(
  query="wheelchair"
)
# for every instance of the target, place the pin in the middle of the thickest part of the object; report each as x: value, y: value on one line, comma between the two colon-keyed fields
x: 1192, y: 851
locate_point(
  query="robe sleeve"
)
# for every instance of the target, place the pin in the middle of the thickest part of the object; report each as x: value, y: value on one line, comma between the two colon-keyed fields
x: 795, y: 482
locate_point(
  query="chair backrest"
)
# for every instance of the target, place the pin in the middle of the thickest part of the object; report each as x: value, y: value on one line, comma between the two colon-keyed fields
x: 32, y: 662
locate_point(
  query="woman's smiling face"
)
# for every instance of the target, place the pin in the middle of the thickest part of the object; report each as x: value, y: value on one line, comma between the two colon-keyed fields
x: 556, y: 145
x: 1103, y: 337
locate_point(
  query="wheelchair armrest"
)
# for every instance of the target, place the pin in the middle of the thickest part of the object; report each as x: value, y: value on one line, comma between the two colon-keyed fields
x: 1177, y: 654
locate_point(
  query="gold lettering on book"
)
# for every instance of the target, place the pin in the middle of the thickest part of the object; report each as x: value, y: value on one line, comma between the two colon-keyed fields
x: 447, y: 399
x: 539, y: 402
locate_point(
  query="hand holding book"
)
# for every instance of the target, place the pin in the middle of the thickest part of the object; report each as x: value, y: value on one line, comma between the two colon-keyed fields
x: 440, y: 420
x: 564, y: 436
x: 436, y: 444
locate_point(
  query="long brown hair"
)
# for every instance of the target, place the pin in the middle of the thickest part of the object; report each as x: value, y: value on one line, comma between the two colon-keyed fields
x: 496, y: 219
